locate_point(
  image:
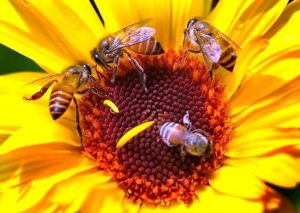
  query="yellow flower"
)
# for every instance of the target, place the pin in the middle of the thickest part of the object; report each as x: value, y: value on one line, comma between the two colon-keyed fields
x: 43, y: 168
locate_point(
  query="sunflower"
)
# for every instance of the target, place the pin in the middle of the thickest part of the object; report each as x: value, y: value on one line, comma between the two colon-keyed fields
x: 251, y: 114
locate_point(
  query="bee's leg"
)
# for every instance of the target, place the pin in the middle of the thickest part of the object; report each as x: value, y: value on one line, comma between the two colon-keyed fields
x: 184, y: 54
x: 182, y: 152
x: 210, y: 147
x: 94, y: 90
x: 186, y: 121
x: 78, y: 121
x: 99, y: 74
x: 210, y: 150
x: 211, y: 66
x: 186, y: 51
x: 99, y: 89
x: 42, y: 91
x: 115, y: 68
x: 139, y: 69
x: 97, y: 92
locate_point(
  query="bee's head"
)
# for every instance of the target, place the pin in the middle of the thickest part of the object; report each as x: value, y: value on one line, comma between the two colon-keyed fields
x: 105, y: 43
x: 189, y: 36
x: 95, y: 55
x: 203, y: 26
x: 196, y: 144
x: 191, y: 23
x: 87, y: 68
x: 99, y: 54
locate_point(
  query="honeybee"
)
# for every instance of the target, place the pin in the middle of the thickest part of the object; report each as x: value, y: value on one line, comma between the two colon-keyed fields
x: 190, y: 141
x: 136, y: 38
x: 216, y: 48
x: 75, y: 79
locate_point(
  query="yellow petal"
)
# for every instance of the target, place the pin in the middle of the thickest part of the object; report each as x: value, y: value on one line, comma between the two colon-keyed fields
x: 110, y: 198
x: 283, y: 33
x: 33, y: 170
x: 178, y: 207
x: 267, y: 77
x: 68, y: 194
x: 169, y: 17
x: 54, y: 42
x: 87, y: 14
x: 232, y: 80
x: 267, y: 168
x: 19, y: 112
x: 206, y: 203
x: 111, y: 105
x: 8, y: 200
x: 116, y: 15
x: 5, y: 132
x: 261, y: 142
x: 246, y: 19
x: 3, y: 137
x: 213, y: 201
x: 68, y: 191
x: 30, y: 162
x: 35, y: 40
x: 237, y: 182
x: 40, y: 133
x: 292, y: 123
x: 75, y: 36
x: 181, y: 13
x: 277, y: 64
x: 133, y: 132
x: 272, y: 114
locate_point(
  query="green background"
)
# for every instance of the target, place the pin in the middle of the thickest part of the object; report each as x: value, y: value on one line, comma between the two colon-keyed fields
x: 11, y: 61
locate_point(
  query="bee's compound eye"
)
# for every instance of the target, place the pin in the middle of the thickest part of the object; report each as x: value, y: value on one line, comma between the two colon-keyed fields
x: 97, y: 58
x: 191, y: 23
x: 104, y: 44
x: 202, y: 26
x: 87, y: 68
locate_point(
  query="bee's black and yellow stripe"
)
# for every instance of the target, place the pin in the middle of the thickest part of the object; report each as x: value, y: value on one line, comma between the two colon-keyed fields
x: 148, y: 47
x: 228, y: 58
x: 172, y: 133
x: 60, y: 99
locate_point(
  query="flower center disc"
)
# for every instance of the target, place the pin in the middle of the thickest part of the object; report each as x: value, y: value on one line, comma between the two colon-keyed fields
x: 148, y: 169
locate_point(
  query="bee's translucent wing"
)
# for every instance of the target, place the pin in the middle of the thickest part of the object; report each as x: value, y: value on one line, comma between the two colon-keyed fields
x: 131, y: 35
x: 209, y: 46
x: 213, y: 43
x: 133, y: 26
x: 43, y: 80
x: 39, y: 86
x: 220, y: 36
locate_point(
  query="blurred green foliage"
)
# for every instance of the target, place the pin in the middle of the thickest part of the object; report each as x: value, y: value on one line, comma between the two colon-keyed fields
x: 293, y: 195
x: 11, y: 61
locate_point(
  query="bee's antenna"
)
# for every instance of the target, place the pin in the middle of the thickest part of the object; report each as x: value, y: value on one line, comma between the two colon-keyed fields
x: 185, y: 52
x: 97, y: 11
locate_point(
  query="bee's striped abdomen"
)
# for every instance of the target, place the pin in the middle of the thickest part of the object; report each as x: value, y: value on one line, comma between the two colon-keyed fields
x: 148, y: 47
x: 228, y: 58
x: 172, y: 133
x: 60, y: 99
